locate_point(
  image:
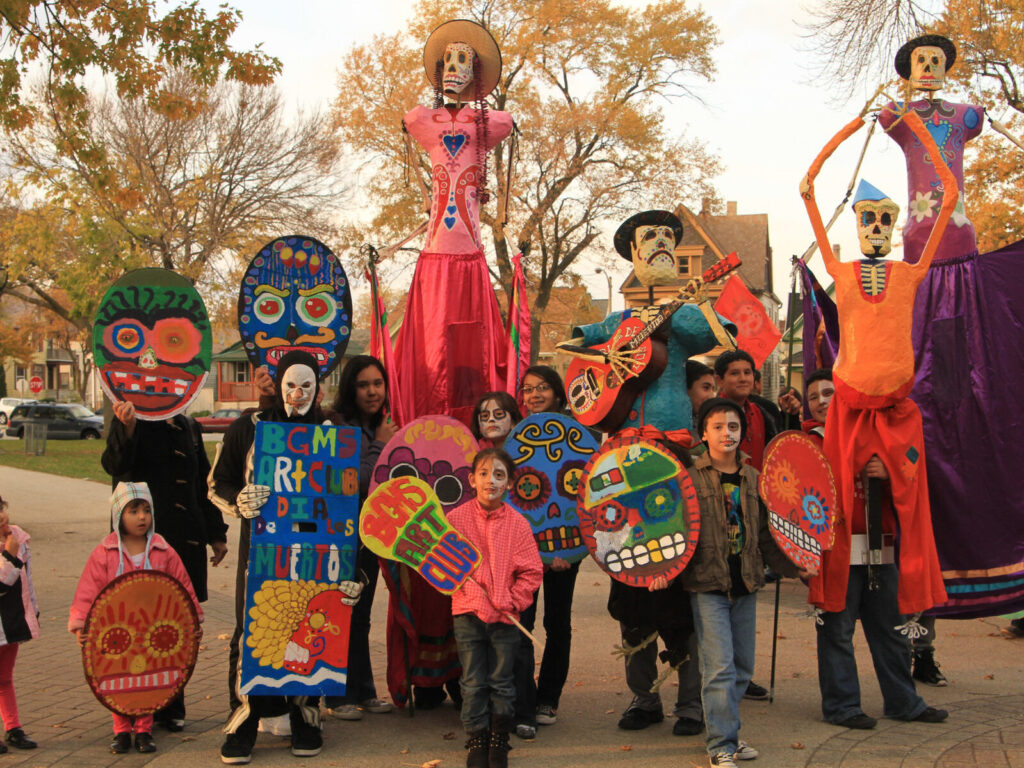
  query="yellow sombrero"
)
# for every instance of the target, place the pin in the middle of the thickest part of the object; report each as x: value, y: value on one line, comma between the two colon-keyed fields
x: 473, y: 35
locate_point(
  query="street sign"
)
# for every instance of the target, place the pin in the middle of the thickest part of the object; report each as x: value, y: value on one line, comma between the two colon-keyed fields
x: 35, y: 384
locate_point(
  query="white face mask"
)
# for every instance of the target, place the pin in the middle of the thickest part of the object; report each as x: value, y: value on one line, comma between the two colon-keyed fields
x: 457, y: 71
x: 298, y: 388
x: 654, y: 260
x: 489, y: 480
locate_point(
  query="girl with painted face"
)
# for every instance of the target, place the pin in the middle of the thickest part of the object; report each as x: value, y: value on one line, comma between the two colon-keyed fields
x: 493, y: 418
x: 504, y: 583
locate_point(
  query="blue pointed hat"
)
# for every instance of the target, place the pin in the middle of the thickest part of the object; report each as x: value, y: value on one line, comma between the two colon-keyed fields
x: 868, y: 191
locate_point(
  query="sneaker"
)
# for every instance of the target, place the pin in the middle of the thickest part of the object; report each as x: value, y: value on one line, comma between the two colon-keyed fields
x: 931, y: 715
x: 636, y: 719
x: 346, y: 712
x: 546, y: 715
x: 687, y: 726
x: 17, y: 739
x: 277, y: 726
x: 121, y: 744
x: 724, y: 760
x: 859, y: 722
x: 755, y: 692
x: 376, y: 706
x: 172, y: 724
x: 307, y: 741
x: 524, y: 731
x: 744, y: 752
x: 236, y: 750
x: 144, y: 743
x: 1014, y: 631
x: 926, y: 670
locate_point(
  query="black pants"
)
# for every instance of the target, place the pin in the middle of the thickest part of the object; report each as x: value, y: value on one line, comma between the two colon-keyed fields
x: 359, y: 686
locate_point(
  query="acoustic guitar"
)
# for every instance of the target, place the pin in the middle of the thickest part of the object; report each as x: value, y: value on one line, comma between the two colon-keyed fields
x: 601, y: 390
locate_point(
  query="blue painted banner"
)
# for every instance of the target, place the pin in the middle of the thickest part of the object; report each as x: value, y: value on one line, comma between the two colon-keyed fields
x: 303, y: 549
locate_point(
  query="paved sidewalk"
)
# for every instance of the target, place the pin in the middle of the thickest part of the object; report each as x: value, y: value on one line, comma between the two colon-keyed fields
x: 67, y: 518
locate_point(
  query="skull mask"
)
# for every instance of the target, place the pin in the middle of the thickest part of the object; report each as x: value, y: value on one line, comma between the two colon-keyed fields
x: 457, y: 71
x: 876, y: 219
x: 927, y: 68
x: 653, y: 250
x: 322, y: 636
x: 298, y: 388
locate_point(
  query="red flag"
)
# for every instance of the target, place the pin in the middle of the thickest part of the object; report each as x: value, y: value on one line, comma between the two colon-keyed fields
x: 518, y: 329
x: 382, y: 349
x: 757, y: 334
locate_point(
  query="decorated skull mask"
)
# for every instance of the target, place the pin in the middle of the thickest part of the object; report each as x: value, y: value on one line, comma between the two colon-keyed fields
x: 322, y: 636
x: 927, y: 68
x: 152, y: 342
x: 457, y: 71
x: 550, y: 451
x: 141, y: 642
x: 654, y: 260
x: 295, y: 296
x: 638, y: 511
x: 876, y: 219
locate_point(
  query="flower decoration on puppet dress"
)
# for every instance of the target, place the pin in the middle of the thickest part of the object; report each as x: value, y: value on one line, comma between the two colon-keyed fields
x: 142, y: 640
x: 296, y: 625
x: 295, y: 296
x: 550, y: 451
x: 638, y: 511
x: 438, y: 450
x: 797, y: 487
x: 152, y: 342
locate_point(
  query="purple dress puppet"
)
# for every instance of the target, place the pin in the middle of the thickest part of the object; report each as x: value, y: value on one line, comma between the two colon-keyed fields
x: 969, y: 351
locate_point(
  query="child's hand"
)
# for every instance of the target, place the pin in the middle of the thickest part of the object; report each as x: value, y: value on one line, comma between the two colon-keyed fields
x: 658, y: 583
x: 386, y: 430
x: 11, y: 546
x: 220, y: 551
x: 558, y: 564
x: 262, y: 381
x: 875, y: 468
x: 808, y: 573
x: 125, y: 413
x: 80, y: 636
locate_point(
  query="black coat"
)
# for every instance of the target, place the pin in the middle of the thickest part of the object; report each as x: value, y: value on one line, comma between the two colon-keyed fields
x: 169, y: 457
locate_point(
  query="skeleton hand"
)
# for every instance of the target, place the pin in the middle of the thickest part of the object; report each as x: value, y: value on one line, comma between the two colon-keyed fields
x: 250, y: 499
x: 621, y: 361
x: 805, y: 186
x: 351, y: 588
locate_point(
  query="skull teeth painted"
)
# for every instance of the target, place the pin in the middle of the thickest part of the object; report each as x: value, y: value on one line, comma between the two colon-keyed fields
x: 796, y: 535
x: 654, y: 551
x: 151, y: 681
x: 559, y: 539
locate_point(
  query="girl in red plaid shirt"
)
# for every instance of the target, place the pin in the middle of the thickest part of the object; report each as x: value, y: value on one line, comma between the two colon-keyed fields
x: 502, y: 586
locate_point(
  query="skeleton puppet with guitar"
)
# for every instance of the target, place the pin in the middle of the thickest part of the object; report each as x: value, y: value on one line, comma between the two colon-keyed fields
x: 630, y: 369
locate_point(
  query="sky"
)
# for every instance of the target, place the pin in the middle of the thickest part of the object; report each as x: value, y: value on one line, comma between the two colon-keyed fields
x: 763, y: 115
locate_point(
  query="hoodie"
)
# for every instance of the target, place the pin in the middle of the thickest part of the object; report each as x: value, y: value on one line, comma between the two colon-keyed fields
x: 109, y: 560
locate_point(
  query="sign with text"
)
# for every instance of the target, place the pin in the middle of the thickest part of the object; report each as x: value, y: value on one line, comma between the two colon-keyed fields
x: 302, y: 553
x: 403, y: 520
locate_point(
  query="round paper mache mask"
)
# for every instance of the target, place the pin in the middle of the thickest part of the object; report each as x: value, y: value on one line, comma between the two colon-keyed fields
x: 550, y: 451
x: 152, y: 342
x: 141, y: 642
x: 638, y: 511
x: 800, y: 494
x: 436, y: 449
x: 295, y: 296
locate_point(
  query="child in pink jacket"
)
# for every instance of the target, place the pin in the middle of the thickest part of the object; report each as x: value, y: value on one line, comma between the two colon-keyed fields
x: 132, y: 545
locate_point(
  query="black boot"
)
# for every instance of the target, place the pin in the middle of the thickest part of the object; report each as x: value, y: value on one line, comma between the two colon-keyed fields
x: 497, y: 752
x: 477, y: 746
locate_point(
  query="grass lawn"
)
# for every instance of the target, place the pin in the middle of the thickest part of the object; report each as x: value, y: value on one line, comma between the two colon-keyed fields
x: 70, y: 458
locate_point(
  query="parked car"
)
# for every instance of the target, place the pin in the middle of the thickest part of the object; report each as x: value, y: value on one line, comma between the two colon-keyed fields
x: 8, y: 404
x: 62, y: 420
x: 219, y: 421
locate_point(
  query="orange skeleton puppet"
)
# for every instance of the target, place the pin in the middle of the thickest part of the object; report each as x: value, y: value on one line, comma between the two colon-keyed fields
x: 871, y: 414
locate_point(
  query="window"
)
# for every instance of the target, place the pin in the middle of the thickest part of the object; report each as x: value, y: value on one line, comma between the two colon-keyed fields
x: 240, y: 374
x: 684, y: 265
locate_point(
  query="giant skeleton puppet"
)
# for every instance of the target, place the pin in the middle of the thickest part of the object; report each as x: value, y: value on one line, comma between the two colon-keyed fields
x: 871, y: 414
x: 451, y: 348
x: 964, y: 381
x: 648, y: 240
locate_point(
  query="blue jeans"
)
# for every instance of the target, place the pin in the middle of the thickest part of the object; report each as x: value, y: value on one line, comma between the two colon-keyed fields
x: 890, y: 652
x: 487, y: 653
x: 726, y: 630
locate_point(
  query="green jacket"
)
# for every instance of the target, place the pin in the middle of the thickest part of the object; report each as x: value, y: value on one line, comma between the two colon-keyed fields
x: 708, y: 571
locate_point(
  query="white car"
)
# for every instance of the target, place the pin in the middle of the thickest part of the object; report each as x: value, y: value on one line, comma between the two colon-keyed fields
x: 8, y: 404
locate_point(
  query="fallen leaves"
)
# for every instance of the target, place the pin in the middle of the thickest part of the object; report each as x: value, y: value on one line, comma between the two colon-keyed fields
x: 609, y: 711
x: 626, y: 747
x: 797, y: 745
x: 449, y: 736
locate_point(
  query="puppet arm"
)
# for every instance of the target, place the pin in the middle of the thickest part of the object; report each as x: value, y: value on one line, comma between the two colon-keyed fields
x: 410, y: 153
x: 1000, y: 128
x: 807, y: 192
x: 951, y: 192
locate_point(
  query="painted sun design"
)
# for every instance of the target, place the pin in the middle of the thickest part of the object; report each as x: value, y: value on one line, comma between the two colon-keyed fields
x: 783, y: 482
x: 815, y: 510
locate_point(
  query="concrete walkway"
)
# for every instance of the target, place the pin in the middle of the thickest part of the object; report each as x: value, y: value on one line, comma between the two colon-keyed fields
x: 67, y: 518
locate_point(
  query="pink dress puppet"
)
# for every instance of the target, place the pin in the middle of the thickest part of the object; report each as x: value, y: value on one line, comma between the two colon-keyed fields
x: 452, y: 346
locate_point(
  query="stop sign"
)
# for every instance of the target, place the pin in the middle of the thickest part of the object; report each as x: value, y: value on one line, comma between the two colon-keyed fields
x: 35, y: 384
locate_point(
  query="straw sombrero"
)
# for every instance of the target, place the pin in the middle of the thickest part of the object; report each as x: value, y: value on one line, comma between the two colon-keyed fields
x: 473, y: 35
x: 907, y: 50
x: 624, y: 234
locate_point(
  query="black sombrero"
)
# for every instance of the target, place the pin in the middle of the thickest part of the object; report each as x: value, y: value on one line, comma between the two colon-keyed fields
x: 624, y: 234
x: 907, y: 49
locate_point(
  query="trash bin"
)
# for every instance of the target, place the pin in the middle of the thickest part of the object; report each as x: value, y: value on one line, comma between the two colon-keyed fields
x: 35, y: 439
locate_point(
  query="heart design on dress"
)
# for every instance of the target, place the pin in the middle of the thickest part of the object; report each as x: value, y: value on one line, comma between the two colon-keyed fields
x: 940, y: 132
x: 453, y: 143
x: 449, y: 221
x: 451, y: 209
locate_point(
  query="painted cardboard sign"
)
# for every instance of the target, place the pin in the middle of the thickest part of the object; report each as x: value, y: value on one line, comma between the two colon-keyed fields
x: 142, y: 640
x: 403, y: 520
x: 152, y: 343
x: 295, y: 295
x: 638, y: 511
x: 550, y: 451
x: 303, y: 547
x: 797, y: 487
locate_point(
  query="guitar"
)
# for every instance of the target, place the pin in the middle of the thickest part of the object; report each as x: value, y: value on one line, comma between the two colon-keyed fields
x: 603, y: 385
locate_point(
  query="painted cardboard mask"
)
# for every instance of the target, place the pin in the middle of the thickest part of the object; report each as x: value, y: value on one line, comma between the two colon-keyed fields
x: 141, y: 642
x: 797, y: 487
x: 457, y: 71
x: 638, y: 511
x: 550, y: 451
x: 152, y: 342
x: 876, y: 219
x: 295, y: 296
x: 927, y: 68
x: 654, y: 260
